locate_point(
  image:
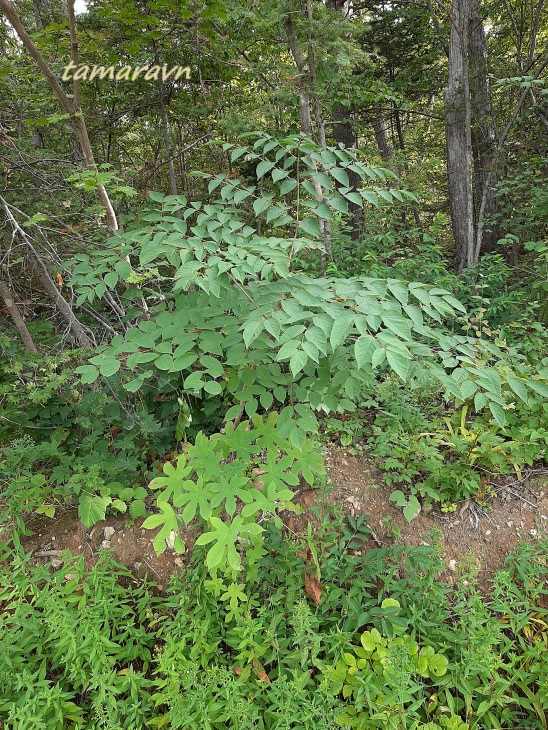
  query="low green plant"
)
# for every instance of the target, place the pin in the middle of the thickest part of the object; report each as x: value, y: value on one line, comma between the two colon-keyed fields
x: 245, y: 474
x: 389, y: 645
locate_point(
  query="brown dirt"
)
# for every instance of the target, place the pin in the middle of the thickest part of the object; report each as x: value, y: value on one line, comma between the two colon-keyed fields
x: 131, y: 545
x: 470, y: 535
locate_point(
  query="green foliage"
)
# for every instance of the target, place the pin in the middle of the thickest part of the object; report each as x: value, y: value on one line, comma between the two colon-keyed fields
x: 246, y: 473
x: 249, y: 319
x: 382, y: 677
x: 389, y: 645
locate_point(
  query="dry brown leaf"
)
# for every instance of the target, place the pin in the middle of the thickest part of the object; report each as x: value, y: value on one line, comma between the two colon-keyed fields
x: 313, y: 587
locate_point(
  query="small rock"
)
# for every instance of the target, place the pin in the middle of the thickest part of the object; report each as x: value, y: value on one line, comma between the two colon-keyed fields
x: 510, y: 523
x: 178, y: 561
x: 487, y: 532
x: 106, y: 544
x: 71, y: 576
x: 456, y: 523
x: 56, y: 563
x: 108, y: 532
x: 137, y: 566
x: 452, y: 565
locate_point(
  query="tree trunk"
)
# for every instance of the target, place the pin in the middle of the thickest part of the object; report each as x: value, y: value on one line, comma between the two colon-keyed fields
x: 17, y: 317
x: 458, y: 138
x: 166, y: 132
x: 381, y: 138
x: 401, y: 142
x: 69, y: 107
x: 49, y: 285
x: 300, y: 62
x: 344, y: 134
x: 484, y: 133
x: 305, y: 82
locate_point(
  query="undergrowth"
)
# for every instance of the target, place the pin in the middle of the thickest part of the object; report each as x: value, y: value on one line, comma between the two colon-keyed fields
x: 388, y: 644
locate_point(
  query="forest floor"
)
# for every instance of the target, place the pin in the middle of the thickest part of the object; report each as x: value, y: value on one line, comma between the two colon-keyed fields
x: 472, y: 536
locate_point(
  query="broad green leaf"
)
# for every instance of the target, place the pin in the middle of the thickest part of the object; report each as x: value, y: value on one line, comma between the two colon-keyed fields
x: 363, y: 349
x: 398, y: 362
x: 263, y: 167
x: 341, y: 327
x: 310, y: 226
x: 340, y: 176
x: 519, y: 388
x: 92, y: 508
x: 88, y: 373
x: 297, y: 361
x: 498, y: 414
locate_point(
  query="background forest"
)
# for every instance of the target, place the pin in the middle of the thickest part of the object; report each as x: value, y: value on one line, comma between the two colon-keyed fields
x: 331, y: 235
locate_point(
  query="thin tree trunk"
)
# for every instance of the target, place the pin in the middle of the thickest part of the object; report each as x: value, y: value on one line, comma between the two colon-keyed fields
x: 381, y: 138
x: 484, y: 133
x: 401, y: 141
x: 47, y: 282
x: 458, y: 138
x: 320, y: 124
x: 17, y: 317
x: 306, y: 119
x: 69, y: 107
x: 166, y: 131
x: 344, y: 134
x: 300, y: 62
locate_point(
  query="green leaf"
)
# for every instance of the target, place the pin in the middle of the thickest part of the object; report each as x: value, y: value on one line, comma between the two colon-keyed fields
x: 398, y: 497
x: 252, y: 329
x: 164, y: 362
x: 363, y: 349
x: 398, y: 324
x: 519, y: 388
x: 498, y: 414
x: 287, y: 350
x: 340, y: 176
x: 263, y: 167
x: 398, y: 362
x: 310, y: 226
x: 194, y: 381
x: 438, y: 664
x: 109, y: 367
x: 261, y: 204
x: 371, y: 197
x: 297, y: 361
x: 412, y: 509
x: 287, y: 186
x: 111, y: 279
x: 92, y: 508
x: 89, y: 373
x: 341, y: 327
x: 540, y: 388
